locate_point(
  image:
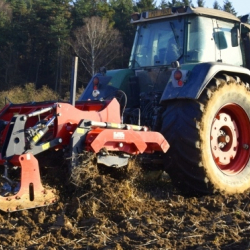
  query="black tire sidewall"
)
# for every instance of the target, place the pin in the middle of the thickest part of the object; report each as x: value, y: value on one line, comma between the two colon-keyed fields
x: 229, y: 93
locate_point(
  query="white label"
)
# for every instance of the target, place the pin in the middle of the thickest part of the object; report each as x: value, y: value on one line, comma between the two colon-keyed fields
x: 118, y: 135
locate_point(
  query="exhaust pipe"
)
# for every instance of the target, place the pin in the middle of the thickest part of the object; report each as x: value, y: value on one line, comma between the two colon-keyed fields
x: 73, y: 81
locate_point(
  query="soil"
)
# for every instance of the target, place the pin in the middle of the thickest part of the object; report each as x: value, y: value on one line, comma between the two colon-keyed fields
x: 127, y: 209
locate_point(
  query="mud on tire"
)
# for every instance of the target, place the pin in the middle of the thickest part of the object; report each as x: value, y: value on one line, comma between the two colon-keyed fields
x: 210, y: 139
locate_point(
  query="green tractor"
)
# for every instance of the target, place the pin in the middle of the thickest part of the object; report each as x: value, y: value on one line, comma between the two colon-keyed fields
x: 188, y: 78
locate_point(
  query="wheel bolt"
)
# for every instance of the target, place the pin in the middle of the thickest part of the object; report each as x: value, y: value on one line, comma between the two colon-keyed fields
x: 245, y: 146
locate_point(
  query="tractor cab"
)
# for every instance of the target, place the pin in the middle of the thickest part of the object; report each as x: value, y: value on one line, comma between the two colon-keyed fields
x: 185, y: 34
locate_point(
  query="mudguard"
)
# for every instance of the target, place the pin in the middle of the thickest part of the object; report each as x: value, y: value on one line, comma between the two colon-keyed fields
x: 199, y: 77
x: 108, y: 83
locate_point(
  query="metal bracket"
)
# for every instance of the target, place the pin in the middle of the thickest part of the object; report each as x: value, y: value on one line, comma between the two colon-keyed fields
x: 77, y: 142
x: 116, y: 161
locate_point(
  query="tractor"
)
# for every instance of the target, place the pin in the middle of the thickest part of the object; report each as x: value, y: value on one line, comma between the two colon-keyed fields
x: 182, y: 106
x: 188, y: 78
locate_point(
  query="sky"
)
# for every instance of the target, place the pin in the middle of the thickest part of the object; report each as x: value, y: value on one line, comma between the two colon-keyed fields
x: 242, y: 7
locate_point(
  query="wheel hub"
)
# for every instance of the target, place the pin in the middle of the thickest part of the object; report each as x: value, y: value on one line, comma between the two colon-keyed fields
x: 224, y: 139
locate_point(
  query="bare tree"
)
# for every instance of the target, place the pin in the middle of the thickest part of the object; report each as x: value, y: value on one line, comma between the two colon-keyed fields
x: 96, y: 44
x: 5, y: 12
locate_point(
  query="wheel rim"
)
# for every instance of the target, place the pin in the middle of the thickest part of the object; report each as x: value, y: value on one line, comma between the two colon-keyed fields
x: 230, y: 139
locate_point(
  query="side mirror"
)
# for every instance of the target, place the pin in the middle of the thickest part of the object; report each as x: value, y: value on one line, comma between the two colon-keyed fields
x: 245, y: 18
x: 235, y: 36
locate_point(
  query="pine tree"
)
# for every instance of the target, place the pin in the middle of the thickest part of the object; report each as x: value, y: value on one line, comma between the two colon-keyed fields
x: 216, y: 5
x: 37, y: 34
x: 200, y: 3
x: 146, y: 5
x: 187, y: 2
x: 173, y: 3
x: 228, y: 7
x: 81, y: 9
x: 122, y: 14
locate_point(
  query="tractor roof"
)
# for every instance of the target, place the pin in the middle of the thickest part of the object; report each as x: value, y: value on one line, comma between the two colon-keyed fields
x: 181, y: 11
x: 213, y: 12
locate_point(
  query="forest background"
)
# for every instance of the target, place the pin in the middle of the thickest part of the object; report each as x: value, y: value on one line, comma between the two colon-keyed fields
x: 38, y: 38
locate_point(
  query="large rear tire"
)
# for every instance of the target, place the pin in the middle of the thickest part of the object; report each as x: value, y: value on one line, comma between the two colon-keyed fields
x: 210, y: 139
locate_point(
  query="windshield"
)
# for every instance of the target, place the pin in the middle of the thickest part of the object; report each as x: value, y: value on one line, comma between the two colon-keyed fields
x: 158, y: 43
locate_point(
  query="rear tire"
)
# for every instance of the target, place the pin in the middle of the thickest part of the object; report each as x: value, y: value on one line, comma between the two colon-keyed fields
x: 210, y: 139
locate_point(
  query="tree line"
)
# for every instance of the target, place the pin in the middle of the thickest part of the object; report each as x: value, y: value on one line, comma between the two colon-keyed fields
x: 39, y: 37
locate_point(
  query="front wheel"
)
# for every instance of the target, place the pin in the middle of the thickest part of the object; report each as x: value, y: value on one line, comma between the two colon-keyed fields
x: 210, y: 139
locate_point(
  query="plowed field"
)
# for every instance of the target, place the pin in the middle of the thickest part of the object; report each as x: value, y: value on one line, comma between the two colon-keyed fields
x: 127, y: 210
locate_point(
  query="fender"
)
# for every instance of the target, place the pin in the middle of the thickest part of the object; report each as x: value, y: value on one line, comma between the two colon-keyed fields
x: 199, y: 77
x: 108, y: 83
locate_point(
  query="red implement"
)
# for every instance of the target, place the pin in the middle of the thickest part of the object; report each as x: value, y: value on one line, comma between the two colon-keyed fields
x: 29, y: 129
x: 31, y: 193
